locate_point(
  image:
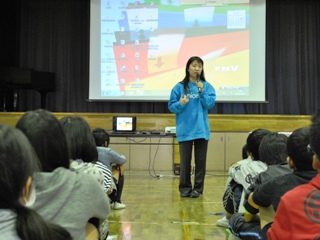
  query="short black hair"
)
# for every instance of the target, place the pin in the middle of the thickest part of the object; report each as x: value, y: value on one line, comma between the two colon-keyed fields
x: 100, y: 136
x: 315, y: 133
x: 272, y: 149
x: 297, y: 149
x: 245, y: 152
x: 253, y: 141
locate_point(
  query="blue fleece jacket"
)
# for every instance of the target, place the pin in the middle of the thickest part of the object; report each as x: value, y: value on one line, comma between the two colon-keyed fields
x: 192, y: 118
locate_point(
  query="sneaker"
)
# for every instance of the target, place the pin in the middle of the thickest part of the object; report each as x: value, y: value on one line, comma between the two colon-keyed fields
x: 223, y: 222
x: 195, y: 194
x: 118, y: 205
x: 185, y: 194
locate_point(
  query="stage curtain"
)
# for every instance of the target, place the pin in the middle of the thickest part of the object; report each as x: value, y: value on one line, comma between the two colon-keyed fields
x: 54, y: 36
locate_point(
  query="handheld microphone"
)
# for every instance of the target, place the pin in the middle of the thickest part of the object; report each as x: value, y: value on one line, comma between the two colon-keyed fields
x: 198, y: 77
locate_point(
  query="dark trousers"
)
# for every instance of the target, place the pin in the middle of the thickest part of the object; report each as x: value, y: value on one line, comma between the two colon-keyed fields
x: 245, y: 230
x: 200, y: 158
x: 232, y: 197
x: 116, y: 195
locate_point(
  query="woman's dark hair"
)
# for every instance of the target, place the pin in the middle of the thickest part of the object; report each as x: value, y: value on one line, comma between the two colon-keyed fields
x: 100, y: 136
x: 46, y: 136
x: 297, y: 149
x: 81, y: 142
x: 272, y: 149
x: 18, y: 162
x: 187, y: 76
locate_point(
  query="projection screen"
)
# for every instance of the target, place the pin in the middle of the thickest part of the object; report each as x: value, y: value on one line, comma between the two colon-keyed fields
x: 139, y: 49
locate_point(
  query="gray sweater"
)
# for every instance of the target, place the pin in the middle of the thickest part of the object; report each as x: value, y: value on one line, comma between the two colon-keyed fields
x: 108, y: 157
x: 66, y: 198
x: 8, y: 225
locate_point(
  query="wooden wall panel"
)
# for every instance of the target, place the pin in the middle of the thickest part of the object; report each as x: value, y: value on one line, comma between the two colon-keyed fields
x: 218, y: 122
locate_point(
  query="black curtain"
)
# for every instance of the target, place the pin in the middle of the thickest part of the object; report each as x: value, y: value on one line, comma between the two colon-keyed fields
x: 54, y: 36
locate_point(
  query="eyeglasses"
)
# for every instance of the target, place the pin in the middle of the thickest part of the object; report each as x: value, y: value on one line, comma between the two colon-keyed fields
x: 310, y: 150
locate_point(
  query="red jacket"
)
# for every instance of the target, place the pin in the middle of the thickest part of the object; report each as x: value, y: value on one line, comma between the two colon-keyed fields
x: 298, y: 214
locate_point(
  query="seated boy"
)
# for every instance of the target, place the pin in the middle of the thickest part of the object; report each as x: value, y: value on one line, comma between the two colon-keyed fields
x: 241, y: 174
x: 111, y: 158
x: 270, y: 192
x: 299, y: 208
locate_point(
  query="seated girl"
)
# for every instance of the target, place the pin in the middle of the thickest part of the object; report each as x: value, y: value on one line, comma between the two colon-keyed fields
x: 18, y: 167
x: 62, y: 195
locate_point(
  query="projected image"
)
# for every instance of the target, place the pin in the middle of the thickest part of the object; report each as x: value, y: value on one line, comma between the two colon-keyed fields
x: 124, y: 124
x: 144, y: 46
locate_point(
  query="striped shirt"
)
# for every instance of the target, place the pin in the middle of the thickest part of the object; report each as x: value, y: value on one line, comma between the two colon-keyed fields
x: 88, y: 168
x: 107, y: 180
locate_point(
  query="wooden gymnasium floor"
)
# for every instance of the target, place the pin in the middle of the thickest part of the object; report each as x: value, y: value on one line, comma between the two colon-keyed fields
x: 156, y: 211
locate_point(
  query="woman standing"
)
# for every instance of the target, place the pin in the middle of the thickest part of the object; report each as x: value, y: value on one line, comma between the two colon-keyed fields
x: 190, y: 100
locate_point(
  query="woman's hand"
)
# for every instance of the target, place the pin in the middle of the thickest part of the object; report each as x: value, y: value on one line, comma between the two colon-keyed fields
x: 184, y: 100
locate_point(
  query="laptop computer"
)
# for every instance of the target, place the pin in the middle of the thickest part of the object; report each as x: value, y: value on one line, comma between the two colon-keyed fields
x: 124, y: 125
